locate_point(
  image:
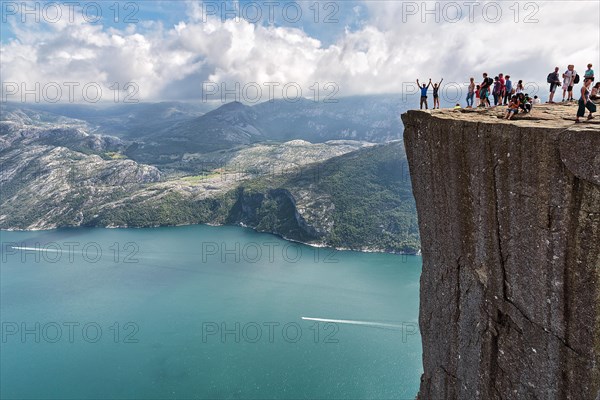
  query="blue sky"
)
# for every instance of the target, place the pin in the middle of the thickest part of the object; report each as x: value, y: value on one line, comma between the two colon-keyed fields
x: 169, y: 50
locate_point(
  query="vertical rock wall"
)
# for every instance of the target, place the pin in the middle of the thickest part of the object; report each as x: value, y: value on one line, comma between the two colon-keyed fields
x: 509, y: 214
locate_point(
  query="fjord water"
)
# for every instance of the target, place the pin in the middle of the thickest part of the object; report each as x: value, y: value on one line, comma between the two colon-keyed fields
x: 203, y: 312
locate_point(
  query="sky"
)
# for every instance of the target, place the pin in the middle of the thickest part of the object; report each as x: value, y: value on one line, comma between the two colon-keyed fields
x: 252, y: 51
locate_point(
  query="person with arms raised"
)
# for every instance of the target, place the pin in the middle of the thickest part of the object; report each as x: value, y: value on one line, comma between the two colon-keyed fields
x: 424, y: 89
x: 436, y: 96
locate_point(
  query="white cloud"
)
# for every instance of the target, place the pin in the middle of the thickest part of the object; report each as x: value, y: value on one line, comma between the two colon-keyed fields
x: 389, y: 48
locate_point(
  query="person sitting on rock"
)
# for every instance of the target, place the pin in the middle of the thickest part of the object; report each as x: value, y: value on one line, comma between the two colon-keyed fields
x: 585, y: 102
x: 522, y: 97
x: 536, y: 100
x: 595, y: 95
x: 424, y: 93
x: 526, y: 104
x: 513, y: 107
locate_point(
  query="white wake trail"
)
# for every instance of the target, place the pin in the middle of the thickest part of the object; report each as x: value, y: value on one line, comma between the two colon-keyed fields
x: 352, y: 322
x: 36, y: 249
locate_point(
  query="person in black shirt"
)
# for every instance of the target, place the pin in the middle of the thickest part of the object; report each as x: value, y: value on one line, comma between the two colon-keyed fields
x: 554, y: 81
x: 436, y: 97
x: 484, y: 90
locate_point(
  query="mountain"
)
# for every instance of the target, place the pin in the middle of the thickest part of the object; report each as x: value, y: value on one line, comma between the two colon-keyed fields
x: 368, y: 118
x: 372, y: 119
x: 231, y: 125
x: 165, y: 134
x: 125, y: 120
x: 361, y: 201
x: 340, y: 193
x: 51, y: 173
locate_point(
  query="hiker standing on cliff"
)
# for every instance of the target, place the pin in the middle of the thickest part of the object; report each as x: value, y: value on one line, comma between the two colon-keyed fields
x: 471, y: 93
x: 585, y: 102
x: 508, y: 90
x: 497, y: 91
x: 424, y: 93
x: 436, y: 96
x: 485, y: 90
x: 554, y: 80
x: 589, y: 73
x: 568, y: 82
x: 502, y: 87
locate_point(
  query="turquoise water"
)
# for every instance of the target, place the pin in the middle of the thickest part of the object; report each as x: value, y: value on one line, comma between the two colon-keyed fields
x: 203, y: 312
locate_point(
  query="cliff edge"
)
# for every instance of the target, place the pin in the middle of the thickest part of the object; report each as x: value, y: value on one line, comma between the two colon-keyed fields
x: 509, y: 216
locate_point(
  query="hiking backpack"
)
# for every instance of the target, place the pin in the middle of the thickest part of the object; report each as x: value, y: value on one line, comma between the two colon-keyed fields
x: 576, y: 80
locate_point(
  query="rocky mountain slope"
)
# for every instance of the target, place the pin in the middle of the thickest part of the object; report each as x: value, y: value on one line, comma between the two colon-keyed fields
x: 509, y: 215
x: 55, y: 173
x: 361, y: 200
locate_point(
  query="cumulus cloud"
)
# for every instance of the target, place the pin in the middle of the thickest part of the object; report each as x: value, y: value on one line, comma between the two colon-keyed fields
x: 378, y: 47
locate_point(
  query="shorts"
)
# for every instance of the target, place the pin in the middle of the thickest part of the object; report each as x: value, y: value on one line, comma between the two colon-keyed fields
x: 423, y: 98
x: 553, y: 87
x: 513, y: 110
x: 567, y: 87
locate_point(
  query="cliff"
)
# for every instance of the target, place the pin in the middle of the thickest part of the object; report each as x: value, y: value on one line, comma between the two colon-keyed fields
x: 509, y: 216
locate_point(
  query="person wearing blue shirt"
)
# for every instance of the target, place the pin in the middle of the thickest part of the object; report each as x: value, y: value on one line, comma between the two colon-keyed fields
x: 509, y: 90
x: 424, y: 93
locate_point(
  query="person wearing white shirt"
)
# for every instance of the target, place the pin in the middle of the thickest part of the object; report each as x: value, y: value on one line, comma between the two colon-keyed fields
x: 569, y: 82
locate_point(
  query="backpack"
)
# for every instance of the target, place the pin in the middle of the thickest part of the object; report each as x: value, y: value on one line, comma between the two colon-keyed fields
x: 576, y: 80
x: 550, y: 78
x: 490, y: 81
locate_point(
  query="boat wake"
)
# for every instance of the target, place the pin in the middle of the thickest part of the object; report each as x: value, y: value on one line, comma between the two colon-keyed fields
x: 353, y: 322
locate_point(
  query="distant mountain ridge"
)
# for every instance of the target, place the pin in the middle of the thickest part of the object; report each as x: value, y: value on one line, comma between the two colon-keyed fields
x: 164, y: 132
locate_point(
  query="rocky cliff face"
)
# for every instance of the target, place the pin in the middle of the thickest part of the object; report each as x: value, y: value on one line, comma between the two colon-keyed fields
x: 509, y: 214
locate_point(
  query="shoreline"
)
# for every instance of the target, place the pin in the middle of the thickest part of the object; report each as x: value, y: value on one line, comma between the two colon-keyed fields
x: 241, y: 225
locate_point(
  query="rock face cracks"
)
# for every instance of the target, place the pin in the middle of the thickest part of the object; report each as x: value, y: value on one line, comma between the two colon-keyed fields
x: 509, y: 215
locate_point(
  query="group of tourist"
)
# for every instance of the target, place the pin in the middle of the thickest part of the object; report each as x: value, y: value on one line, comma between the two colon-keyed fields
x: 504, y: 92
